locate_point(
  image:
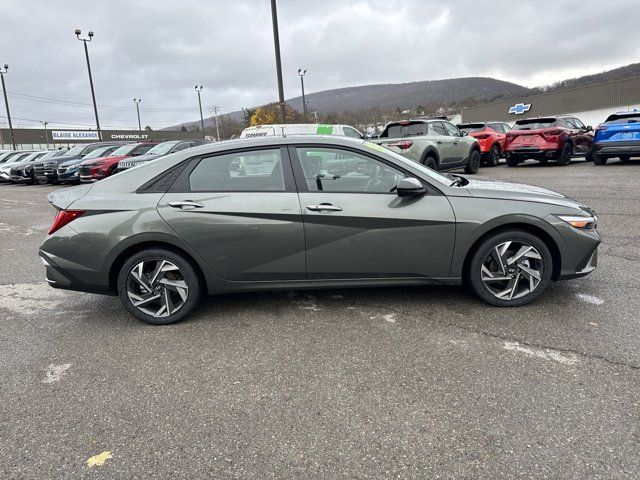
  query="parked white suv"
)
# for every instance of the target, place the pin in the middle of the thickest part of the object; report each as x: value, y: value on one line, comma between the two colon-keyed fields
x: 300, y: 129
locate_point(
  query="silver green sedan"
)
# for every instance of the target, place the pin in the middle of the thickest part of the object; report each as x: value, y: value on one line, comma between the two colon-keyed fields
x: 306, y: 213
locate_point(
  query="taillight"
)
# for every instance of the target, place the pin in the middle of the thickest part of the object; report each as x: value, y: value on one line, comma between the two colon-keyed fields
x: 402, y: 145
x: 552, y: 133
x: 63, y: 217
x: 484, y: 136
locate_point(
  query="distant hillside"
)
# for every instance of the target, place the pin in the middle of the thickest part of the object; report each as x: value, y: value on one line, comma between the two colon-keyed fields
x: 621, y: 73
x: 402, y: 95
x: 449, y: 92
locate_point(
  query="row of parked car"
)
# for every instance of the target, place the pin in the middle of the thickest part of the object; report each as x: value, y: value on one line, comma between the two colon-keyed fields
x: 83, y: 163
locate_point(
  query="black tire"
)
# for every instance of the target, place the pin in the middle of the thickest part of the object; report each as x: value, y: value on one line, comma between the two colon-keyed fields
x: 589, y: 156
x: 481, y: 254
x: 625, y: 158
x: 565, y: 155
x: 473, y: 165
x: 493, y: 157
x: 430, y: 162
x: 186, y: 272
x: 599, y: 159
x: 512, y: 162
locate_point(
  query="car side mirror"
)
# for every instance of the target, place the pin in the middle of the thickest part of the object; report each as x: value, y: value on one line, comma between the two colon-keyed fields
x: 409, y: 187
x: 464, y: 133
x: 588, y: 128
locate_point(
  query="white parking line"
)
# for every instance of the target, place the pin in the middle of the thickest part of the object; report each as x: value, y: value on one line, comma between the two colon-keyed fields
x: 55, y: 372
x: 593, y: 300
x: 546, y: 354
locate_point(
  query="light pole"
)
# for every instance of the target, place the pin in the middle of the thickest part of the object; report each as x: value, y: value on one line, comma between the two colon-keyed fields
x: 137, y: 102
x: 93, y: 93
x: 46, y: 135
x: 6, y: 103
x: 198, y: 90
x: 302, y: 73
x: 276, y: 44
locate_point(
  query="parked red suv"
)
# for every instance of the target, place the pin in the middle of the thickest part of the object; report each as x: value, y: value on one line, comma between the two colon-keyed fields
x: 99, y: 168
x: 491, y: 137
x: 548, y: 138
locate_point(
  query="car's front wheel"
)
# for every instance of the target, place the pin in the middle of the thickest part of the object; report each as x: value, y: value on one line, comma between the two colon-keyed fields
x: 159, y: 286
x: 474, y: 162
x: 510, y: 269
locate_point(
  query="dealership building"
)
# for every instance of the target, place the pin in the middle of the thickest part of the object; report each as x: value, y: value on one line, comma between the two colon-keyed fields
x: 41, y: 139
x: 591, y: 104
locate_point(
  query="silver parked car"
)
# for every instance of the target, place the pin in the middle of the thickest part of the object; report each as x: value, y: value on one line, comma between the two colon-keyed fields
x: 308, y: 212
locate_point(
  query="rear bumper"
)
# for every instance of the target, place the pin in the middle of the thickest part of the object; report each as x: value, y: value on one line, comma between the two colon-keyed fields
x: 67, y: 278
x: 617, y: 148
x: 531, y: 152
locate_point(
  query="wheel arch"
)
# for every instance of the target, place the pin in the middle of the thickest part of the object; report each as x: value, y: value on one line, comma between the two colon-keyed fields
x: 145, y: 244
x: 533, y: 229
x: 430, y: 151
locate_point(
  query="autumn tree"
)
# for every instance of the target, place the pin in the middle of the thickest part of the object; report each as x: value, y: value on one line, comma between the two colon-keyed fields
x: 269, y: 114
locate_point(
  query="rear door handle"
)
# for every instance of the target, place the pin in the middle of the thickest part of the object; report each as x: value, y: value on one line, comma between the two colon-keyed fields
x: 324, y: 207
x: 186, y: 204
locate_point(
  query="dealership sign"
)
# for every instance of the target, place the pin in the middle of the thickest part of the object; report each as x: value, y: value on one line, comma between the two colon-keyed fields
x: 129, y: 136
x: 520, y: 108
x: 74, y: 135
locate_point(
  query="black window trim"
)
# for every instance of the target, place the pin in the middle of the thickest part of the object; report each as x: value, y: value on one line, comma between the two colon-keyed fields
x: 181, y: 185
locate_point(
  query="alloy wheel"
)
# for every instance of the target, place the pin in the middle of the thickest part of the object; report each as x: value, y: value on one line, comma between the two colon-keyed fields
x: 512, y: 270
x: 157, y: 287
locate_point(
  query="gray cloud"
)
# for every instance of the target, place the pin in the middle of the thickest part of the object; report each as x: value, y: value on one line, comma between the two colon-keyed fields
x: 159, y: 50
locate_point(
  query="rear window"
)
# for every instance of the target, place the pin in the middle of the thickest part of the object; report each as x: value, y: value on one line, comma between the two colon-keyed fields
x: 408, y: 129
x: 624, y: 118
x: 535, y: 124
x: 472, y: 127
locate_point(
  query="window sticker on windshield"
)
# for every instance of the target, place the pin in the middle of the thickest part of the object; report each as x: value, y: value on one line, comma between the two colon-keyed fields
x: 324, y: 130
x: 375, y: 146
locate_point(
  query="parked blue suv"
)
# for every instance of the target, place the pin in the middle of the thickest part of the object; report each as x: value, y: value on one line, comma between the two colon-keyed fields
x: 618, y: 136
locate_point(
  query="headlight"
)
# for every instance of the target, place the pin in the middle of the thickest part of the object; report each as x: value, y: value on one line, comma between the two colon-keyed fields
x: 579, y: 221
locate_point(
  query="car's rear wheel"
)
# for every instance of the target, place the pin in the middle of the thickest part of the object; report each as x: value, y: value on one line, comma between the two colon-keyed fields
x: 493, y: 157
x: 430, y: 162
x: 474, y: 162
x: 510, y: 269
x: 512, y: 162
x: 599, y: 159
x: 159, y: 286
x: 625, y: 158
x: 565, y: 155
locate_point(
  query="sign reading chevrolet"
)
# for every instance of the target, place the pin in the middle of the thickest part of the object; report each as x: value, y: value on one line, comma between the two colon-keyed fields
x: 74, y: 135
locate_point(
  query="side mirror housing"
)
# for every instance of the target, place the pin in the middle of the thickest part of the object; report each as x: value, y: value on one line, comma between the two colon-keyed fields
x: 588, y: 128
x: 464, y: 133
x: 410, y: 187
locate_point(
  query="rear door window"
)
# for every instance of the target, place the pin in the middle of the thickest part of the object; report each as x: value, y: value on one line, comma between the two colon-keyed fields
x: 451, y: 129
x: 249, y: 171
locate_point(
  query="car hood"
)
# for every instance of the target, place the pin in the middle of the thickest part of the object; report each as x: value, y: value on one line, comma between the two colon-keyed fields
x: 64, y: 158
x: 104, y: 159
x: 499, y: 189
x: 70, y: 163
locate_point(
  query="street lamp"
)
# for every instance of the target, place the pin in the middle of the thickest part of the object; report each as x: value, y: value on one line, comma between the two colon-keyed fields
x: 198, y: 90
x: 137, y: 102
x: 93, y: 93
x: 6, y: 103
x: 302, y: 73
x: 46, y: 135
x: 276, y: 44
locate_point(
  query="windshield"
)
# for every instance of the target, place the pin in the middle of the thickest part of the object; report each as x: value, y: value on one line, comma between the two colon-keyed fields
x: 432, y: 174
x: 32, y: 157
x: 534, y: 124
x: 162, y: 148
x: 77, y: 150
x: 18, y: 157
x: 472, y: 127
x: 98, y: 152
x: 124, y: 150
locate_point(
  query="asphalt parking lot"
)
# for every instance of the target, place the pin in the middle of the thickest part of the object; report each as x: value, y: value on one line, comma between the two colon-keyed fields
x: 373, y: 383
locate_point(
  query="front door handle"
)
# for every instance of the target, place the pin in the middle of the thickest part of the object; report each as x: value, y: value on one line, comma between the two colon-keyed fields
x: 324, y: 207
x: 186, y: 204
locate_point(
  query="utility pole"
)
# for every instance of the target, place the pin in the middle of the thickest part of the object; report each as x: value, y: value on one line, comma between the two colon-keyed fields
x: 302, y: 73
x: 276, y: 44
x: 93, y: 93
x: 6, y: 104
x: 137, y: 102
x: 214, y: 110
x: 198, y: 90
x: 46, y: 135
x: 315, y: 115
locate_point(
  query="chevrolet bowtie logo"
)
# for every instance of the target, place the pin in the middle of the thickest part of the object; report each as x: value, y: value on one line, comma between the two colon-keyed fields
x: 520, y: 108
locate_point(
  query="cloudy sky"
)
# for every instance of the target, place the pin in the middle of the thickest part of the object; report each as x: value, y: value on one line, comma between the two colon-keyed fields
x: 159, y: 50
